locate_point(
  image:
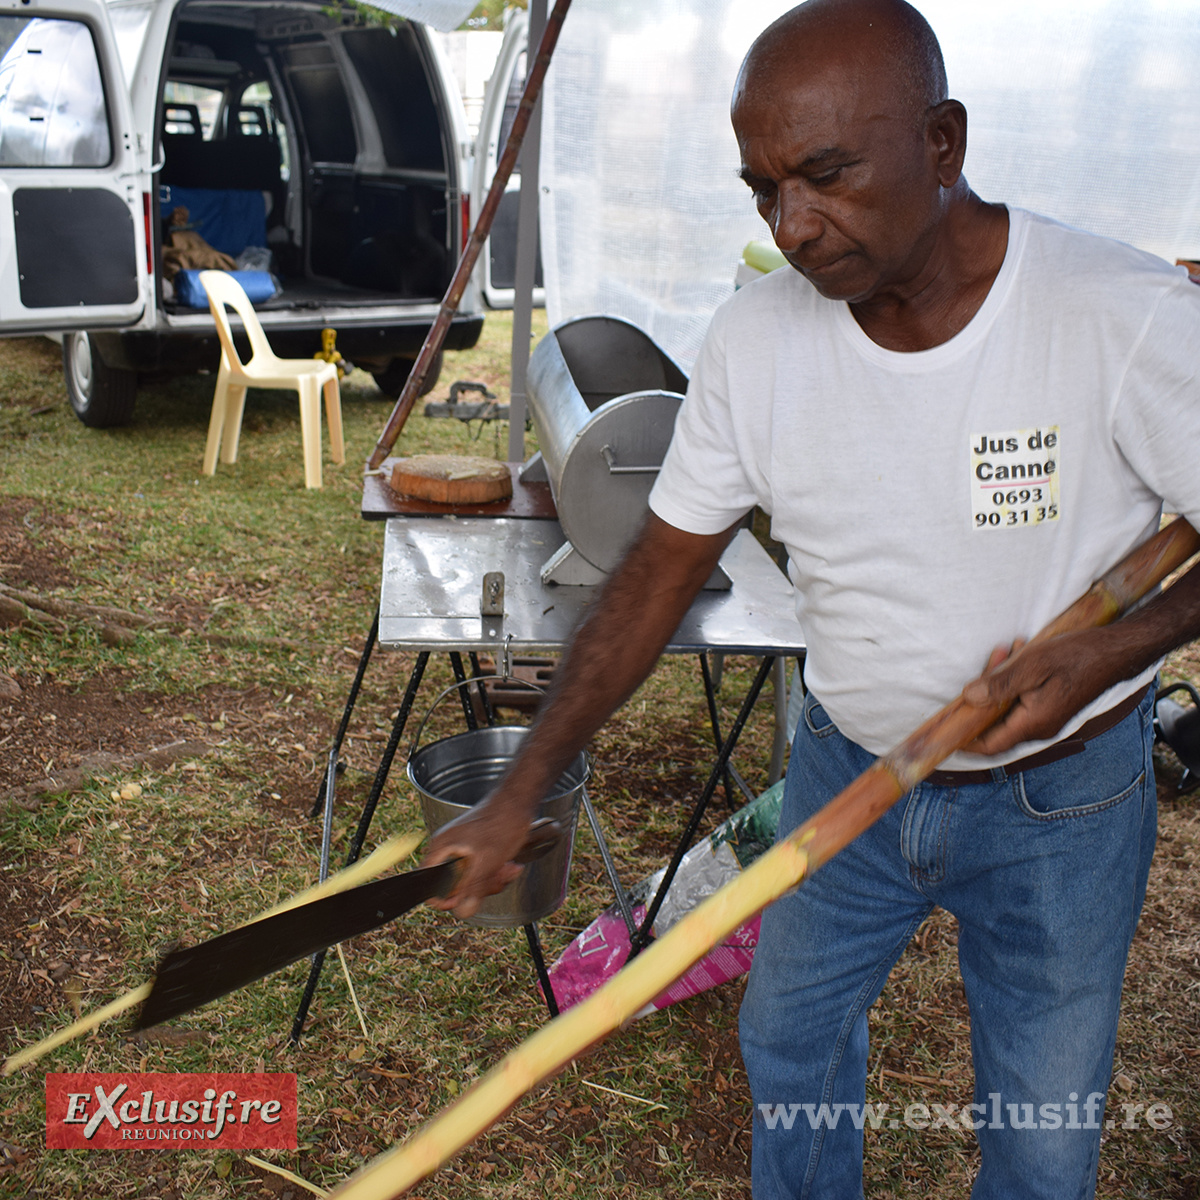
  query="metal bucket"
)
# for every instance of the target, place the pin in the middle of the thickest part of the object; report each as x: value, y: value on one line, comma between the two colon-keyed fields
x: 457, y: 772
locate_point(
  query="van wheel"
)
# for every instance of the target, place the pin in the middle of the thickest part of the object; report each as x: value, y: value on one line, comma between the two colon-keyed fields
x: 102, y: 396
x: 392, y: 379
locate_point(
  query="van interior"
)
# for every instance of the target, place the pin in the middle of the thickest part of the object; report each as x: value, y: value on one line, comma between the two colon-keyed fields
x: 309, y: 147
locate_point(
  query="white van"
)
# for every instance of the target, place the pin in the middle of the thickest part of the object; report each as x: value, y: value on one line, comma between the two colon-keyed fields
x: 292, y: 127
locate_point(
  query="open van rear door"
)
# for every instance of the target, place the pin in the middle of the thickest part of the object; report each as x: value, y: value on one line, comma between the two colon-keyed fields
x: 72, y: 242
x: 498, y: 261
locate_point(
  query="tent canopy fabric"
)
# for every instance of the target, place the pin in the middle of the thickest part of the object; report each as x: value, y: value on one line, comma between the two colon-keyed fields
x: 1085, y: 110
x: 445, y: 15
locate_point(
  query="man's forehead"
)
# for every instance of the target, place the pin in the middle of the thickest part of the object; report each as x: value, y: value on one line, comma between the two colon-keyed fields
x: 816, y: 111
x: 816, y: 65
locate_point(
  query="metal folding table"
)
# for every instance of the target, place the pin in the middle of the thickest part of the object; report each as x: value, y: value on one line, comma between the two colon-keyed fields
x: 432, y: 600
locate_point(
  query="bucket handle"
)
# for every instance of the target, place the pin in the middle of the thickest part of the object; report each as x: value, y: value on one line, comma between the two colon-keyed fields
x: 454, y: 687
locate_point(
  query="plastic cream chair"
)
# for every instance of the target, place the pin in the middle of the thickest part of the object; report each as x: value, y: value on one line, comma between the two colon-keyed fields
x: 309, y: 376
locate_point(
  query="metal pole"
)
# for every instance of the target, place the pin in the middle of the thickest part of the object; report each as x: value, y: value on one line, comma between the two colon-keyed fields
x: 527, y: 253
x: 779, y: 745
x: 351, y: 700
x: 539, y: 962
x: 317, y: 962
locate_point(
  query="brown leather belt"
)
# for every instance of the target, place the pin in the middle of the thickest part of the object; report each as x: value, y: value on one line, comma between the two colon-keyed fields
x: 1064, y: 749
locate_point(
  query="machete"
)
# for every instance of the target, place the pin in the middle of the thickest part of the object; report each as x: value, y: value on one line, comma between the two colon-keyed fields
x: 190, y: 977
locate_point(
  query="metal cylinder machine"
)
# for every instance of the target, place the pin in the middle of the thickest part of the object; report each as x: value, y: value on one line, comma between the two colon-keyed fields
x: 603, y: 397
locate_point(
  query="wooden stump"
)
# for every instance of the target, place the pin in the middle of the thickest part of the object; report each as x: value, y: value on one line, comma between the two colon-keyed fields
x: 452, y: 479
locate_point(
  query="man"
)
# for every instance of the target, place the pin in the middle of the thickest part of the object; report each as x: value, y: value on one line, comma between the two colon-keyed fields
x: 957, y: 415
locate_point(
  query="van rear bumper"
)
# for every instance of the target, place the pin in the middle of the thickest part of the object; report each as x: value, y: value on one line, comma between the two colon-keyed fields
x: 184, y: 351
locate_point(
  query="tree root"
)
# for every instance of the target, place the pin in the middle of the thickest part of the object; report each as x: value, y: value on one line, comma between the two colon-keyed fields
x: 59, y: 607
x: 114, y: 626
x: 28, y: 796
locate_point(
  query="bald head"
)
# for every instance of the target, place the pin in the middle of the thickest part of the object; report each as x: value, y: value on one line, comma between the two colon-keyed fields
x: 851, y: 149
x: 887, y: 38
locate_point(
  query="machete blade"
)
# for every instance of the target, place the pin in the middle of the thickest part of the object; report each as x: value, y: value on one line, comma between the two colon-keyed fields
x: 188, y: 978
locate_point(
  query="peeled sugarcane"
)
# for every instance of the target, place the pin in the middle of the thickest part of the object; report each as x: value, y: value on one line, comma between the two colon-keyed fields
x: 394, y: 850
x: 777, y: 871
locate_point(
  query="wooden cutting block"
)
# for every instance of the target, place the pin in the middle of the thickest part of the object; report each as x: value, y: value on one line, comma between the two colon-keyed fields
x: 452, y: 479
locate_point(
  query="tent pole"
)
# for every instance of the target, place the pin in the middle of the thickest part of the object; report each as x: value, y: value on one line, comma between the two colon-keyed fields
x: 527, y: 252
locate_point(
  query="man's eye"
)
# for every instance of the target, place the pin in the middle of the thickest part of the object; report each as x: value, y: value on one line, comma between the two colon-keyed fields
x: 828, y: 176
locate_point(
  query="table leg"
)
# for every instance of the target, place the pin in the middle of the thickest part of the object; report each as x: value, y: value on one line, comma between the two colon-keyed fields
x: 641, y: 938
x: 389, y: 753
x: 732, y: 776
x: 351, y: 700
x: 610, y: 867
x: 780, y: 742
x: 460, y: 676
x: 476, y: 671
x: 364, y: 824
x: 539, y: 962
x: 716, y: 661
x: 710, y: 694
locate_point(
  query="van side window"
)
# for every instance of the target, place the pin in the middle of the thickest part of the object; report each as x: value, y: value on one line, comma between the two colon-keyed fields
x: 52, y: 107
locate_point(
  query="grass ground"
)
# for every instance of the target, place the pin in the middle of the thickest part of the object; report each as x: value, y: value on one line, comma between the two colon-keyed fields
x: 260, y: 594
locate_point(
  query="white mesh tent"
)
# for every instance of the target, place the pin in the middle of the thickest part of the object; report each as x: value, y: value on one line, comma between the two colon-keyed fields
x: 1086, y: 111
x: 441, y: 14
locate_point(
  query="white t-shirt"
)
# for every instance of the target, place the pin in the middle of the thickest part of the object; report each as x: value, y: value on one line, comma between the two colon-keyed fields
x: 939, y: 503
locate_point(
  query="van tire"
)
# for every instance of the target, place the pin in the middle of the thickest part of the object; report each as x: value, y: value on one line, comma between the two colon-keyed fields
x: 102, y: 396
x: 392, y: 379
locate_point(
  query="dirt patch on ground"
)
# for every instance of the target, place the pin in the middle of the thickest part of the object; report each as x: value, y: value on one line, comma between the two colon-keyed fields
x: 52, y: 946
x: 49, y: 950
x: 49, y: 728
x: 31, y: 555
x: 714, y: 1137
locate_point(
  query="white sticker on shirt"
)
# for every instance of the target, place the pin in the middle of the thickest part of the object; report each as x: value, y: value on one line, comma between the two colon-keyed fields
x: 1014, y: 478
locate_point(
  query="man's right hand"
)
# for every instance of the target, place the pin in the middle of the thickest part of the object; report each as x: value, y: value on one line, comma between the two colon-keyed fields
x: 487, y: 838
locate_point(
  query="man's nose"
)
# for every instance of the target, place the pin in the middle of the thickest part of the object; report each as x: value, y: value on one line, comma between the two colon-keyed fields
x: 797, y: 222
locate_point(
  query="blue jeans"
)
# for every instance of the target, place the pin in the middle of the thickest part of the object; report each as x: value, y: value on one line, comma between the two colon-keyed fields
x: 1045, y: 872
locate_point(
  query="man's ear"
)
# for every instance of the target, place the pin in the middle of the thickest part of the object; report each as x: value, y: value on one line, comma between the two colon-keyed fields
x: 946, y: 132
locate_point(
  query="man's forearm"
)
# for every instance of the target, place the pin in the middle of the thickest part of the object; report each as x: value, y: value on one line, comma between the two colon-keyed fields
x: 614, y: 649
x: 1170, y: 620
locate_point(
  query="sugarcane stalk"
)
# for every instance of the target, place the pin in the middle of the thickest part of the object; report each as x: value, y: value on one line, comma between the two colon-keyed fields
x: 385, y: 856
x: 483, y: 224
x: 781, y: 868
x: 77, y: 1028
x: 388, y: 854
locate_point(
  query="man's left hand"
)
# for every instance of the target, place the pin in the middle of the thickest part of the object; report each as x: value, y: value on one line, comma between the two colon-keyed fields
x: 1047, y: 683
